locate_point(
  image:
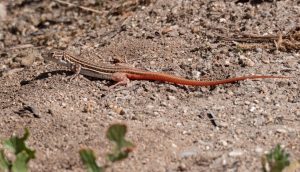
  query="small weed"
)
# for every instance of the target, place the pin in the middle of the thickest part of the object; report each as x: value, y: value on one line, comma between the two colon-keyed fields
x: 88, y: 158
x: 115, y: 133
x: 276, y: 160
x: 22, y: 153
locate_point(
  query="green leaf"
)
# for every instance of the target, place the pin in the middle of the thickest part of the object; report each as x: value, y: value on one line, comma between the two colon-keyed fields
x: 4, y: 163
x: 18, y: 145
x: 88, y: 158
x: 116, y: 133
x: 20, y: 164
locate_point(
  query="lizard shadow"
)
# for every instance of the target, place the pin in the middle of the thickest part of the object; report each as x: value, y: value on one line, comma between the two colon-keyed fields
x: 46, y: 75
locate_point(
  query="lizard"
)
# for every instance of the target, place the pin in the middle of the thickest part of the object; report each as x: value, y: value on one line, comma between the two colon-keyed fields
x: 123, y: 74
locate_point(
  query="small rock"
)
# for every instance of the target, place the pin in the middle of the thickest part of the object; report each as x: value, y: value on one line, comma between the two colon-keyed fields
x: 173, y: 33
x: 246, y: 61
x: 89, y: 107
x: 281, y: 130
x: 224, y: 142
x: 259, y: 150
x: 252, y: 109
x: 188, y: 153
x: 265, y: 60
x: 179, y: 124
x: 27, y: 60
x: 195, y: 29
x: 3, y: 12
x: 63, y: 104
x: 223, y: 20
x: 174, y: 145
x: 258, y: 50
x: 186, y: 132
x: 120, y: 111
x: 236, y: 153
x: 171, y: 97
x: 182, y: 167
x: 149, y: 106
x: 230, y: 93
x: 196, y: 74
x: 227, y: 63
x: 247, y: 103
x: 117, y: 109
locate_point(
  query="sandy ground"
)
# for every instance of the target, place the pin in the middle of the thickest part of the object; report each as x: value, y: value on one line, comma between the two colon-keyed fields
x: 175, y: 128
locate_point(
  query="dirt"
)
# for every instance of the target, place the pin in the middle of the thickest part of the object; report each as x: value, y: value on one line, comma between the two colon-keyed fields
x: 175, y: 128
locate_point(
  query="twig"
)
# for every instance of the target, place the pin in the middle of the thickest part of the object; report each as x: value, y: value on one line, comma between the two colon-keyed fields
x: 78, y: 6
x: 21, y: 46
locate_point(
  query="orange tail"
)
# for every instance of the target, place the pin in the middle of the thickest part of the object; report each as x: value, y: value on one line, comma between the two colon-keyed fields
x: 156, y: 76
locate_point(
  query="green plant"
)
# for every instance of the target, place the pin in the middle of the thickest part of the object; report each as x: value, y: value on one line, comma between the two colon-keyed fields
x: 22, y: 153
x: 88, y: 158
x: 115, y: 133
x: 276, y: 160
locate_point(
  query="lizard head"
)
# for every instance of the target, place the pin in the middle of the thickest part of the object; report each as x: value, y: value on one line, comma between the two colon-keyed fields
x: 57, y: 57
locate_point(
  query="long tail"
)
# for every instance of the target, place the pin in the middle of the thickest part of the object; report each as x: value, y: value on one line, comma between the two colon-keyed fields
x: 156, y: 76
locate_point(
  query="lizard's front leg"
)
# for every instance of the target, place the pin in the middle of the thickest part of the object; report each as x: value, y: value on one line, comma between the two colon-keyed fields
x: 76, y: 68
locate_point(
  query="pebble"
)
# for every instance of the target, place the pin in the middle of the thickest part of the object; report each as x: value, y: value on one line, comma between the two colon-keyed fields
x: 258, y: 50
x: 27, y: 60
x: 230, y: 93
x: 2, y: 11
x: 187, y: 153
x: 182, y: 167
x: 171, y: 97
x: 196, y: 74
x: 236, y: 153
x: 186, y: 132
x: 224, y: 142
x: 63, y: 104
x: 281, y: 130
x: 174, y: 145
x: 247, y: 103
x: 223, y: 20
x: 179, y: 124
x: 195, y: 29
x: 246, y: 61
x: 265, y: 60
x: 259, y: 150
x: 120, y: 111
x: 149, y: 106
x: 252, y: 109
x: 89, y: 107
x: 117, y: 109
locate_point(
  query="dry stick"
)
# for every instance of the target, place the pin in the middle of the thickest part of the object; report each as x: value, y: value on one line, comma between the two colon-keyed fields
x: 21, y: 46
x: 78, y: 6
